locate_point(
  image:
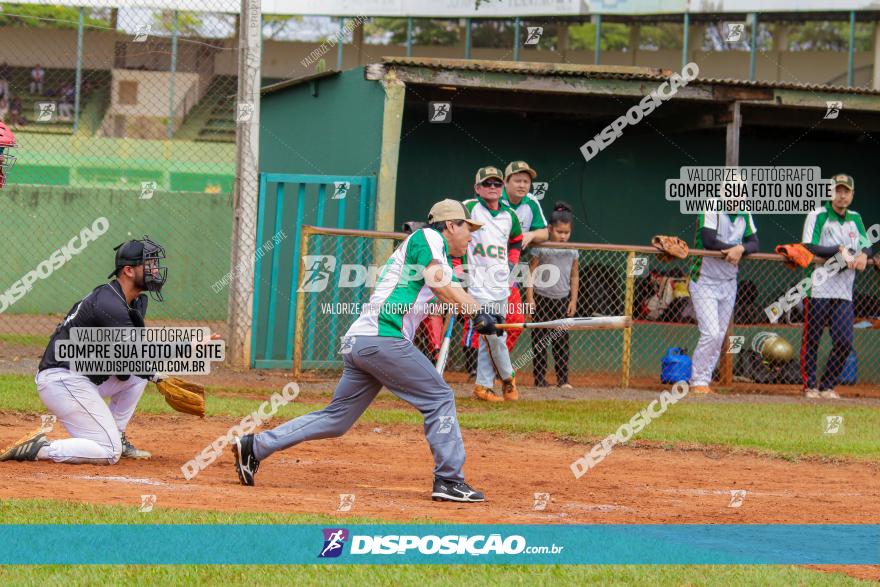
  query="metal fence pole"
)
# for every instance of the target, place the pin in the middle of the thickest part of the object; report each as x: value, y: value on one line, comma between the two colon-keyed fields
x: 753, y: 47
x: 339, y: 43
x: 685, y: 39
x: 598, y: 48
x: 300, y: 302
x: 246, y: 188
x: 516, y: 28
x: 626, y: 349
x: 79, y: 60
x: 467, y: 38
x: 174, y: 33
x: 850, y: 75
x: 409, y: 36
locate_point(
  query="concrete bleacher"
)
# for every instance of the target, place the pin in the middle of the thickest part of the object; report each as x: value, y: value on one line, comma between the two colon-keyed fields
x: 95, y: 86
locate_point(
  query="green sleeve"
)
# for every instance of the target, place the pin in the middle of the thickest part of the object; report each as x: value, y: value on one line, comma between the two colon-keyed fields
x: 864, y: 243
x: 538, y: 220
x: 418, y: 251
x: 516, y: 227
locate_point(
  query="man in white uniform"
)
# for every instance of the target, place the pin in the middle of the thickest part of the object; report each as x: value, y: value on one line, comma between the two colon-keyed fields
x: 518, y: 177
x: 713, y: 285
x: 491, y: 255
x: 831, y: 229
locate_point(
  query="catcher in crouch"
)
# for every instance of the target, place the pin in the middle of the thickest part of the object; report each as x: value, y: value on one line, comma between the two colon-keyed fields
x: 97, y: 429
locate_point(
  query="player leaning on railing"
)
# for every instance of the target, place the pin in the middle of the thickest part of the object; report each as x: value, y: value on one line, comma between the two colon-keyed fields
x: 831, y: 229
x: 714, y: 283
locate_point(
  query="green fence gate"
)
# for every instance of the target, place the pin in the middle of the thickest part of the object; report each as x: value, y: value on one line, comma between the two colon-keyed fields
x: 287, y: 203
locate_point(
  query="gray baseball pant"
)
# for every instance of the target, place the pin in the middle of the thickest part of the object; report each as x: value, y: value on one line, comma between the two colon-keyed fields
x: 369, y: 363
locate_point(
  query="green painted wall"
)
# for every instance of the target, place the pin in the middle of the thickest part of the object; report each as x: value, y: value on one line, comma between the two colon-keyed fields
x: 45, y: 159
x: 194, y: 228
x: 618, y: 195
x: 337, y: 132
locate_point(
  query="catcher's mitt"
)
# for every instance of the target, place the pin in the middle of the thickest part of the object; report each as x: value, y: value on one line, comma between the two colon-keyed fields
x: 796, y: 255
x: 670, y: 247
x: 183, y: 396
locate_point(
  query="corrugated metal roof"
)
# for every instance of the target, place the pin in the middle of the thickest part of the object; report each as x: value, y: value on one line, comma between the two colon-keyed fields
x: 603, y: 72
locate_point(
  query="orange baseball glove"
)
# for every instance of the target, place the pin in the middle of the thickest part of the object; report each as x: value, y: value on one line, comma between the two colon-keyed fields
x: 796, y: 255
x: 670, y: 247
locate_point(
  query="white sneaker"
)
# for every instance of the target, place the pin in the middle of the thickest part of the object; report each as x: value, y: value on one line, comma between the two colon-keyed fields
x: 812, y: 393
x: 829, y: 394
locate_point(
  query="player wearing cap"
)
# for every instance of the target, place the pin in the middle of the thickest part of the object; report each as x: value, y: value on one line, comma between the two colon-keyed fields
x: 97, y: 429
x: 7, y: 159
x: 518, y: 177
x: 491, y: 255
x: 831, y: 229
x: 377, y: 350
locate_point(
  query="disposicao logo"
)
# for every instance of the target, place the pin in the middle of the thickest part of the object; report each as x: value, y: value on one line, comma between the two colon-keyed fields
x: 334, y: 540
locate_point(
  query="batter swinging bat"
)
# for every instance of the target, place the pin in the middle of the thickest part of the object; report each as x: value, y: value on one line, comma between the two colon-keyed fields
x: 586, y: 323
x: 443, y: 355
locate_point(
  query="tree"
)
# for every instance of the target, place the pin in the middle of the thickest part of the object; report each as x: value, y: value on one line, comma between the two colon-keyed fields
x: 51, y: 17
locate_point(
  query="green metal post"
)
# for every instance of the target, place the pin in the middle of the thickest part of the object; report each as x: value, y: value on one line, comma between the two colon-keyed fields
x: 516, y: 27
x: 598, y: 49
x: 850, y: 74
x: 753, y: 47
x: 409, y: 36
x: 339, y: 44
x: 685, y: 39
x: 467, y: 38
x: 174, y: 35
x: 79, y: 62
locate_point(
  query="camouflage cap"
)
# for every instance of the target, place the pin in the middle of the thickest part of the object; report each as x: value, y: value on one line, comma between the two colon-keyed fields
x: 843, y: 179
x: 484, y: 173
x: 519, y: 167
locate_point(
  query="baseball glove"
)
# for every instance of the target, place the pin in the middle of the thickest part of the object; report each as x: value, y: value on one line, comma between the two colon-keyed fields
x: 183, y: 396
x: 796, y: 255
x: 670, y: 247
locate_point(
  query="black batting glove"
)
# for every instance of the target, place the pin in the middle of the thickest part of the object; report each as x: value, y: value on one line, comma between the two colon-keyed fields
x: 484, y: 323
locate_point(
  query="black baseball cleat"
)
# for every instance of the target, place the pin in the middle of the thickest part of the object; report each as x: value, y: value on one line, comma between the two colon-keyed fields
x: 246, y: 464
x: 455, y: 491
x: 25, y: 448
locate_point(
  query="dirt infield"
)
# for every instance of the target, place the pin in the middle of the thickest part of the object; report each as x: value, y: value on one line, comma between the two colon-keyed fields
x: 388, y: 470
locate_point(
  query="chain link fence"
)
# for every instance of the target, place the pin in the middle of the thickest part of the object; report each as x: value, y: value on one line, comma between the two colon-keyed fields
x: 342, y: 266
x: 126, y: 124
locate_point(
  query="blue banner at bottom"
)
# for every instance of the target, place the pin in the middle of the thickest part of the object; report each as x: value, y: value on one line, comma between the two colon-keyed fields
x: 838, y: 544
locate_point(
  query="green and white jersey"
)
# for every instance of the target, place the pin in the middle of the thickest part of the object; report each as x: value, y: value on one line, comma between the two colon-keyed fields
x: 528, y: 211
x: 729, y: 229
x: 491, y: 248
x: 400, y: 300
x: 825, y: 227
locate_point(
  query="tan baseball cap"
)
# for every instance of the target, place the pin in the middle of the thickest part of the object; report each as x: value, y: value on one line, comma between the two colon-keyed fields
x: 450, y: 209
x: 484, y: 173
x: 844, y: 179
x: 519, y: 167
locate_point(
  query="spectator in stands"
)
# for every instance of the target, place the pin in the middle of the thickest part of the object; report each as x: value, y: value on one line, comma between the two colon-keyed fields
x: 15, y: 114
x: 37, y: 77
x: 65, y: 105
x: 5, y: 74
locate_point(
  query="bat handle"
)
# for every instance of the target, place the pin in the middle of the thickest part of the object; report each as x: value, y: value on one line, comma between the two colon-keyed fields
x: 512, y: 326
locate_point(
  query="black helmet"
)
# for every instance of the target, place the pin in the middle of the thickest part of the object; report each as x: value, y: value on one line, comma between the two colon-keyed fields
x: 143, y: 252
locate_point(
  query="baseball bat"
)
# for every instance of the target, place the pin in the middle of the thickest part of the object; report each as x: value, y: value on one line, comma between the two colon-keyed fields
x: 443, y: 355
x: 585, y: 323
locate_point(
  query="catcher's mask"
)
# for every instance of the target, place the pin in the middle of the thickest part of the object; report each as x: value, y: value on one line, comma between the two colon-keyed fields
x: 7, y: 159
x: 149, y: 254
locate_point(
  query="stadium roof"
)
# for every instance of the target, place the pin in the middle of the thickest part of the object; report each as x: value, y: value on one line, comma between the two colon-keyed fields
x: 462, y: 72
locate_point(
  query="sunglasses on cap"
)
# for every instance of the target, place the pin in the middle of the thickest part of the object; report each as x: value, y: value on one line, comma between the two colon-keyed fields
x: 492, y: 184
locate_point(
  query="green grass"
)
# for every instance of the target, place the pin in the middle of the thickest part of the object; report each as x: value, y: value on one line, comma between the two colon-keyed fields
x: 786, y: 430
x: 50, y: 512
x: 38, y: 341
